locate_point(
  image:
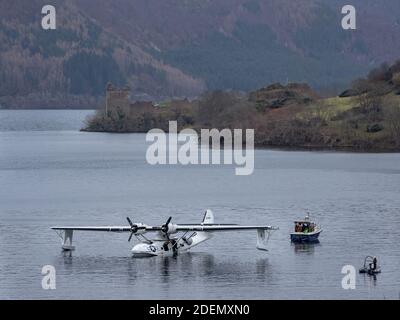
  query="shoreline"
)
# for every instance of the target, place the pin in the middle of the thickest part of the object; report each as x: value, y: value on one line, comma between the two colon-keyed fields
x: 309, y: 148
x: 48, y: 109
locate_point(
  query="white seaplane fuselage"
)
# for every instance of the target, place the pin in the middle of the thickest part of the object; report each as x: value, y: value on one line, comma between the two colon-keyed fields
x: 168, y: 247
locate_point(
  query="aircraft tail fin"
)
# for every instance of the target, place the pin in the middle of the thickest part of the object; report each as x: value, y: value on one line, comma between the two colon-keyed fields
x: 199, y: 237
x: 208, y: 217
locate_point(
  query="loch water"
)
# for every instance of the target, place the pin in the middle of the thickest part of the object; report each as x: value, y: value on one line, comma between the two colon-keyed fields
x: 53, y: 174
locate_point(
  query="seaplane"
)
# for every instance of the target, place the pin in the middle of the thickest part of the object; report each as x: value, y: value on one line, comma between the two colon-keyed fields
x: 169, y: 239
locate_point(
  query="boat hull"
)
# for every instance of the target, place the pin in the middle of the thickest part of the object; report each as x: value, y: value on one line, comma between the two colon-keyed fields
x: 371, y: 272
x: 300, y: 237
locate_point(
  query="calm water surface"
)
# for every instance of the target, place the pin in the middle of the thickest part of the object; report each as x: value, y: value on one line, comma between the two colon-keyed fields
x: 52, y: 174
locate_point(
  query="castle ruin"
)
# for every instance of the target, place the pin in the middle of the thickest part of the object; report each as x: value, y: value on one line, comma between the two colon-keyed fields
x: 117, y: 97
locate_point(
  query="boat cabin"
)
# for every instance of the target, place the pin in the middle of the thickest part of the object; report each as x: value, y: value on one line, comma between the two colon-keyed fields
x: 305, y: 226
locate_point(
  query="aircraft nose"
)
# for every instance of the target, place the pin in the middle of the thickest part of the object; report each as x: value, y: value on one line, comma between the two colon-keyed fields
x: 143, y: 250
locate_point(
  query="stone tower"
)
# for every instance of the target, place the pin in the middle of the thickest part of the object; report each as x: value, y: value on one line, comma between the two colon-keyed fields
x: 117, y: 97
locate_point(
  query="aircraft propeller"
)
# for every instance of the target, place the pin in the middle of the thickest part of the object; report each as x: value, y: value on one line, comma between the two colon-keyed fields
x: 134, y: 229
x: 165, y: 227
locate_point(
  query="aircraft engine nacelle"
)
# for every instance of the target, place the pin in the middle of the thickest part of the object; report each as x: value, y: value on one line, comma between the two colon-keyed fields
x: 141, y: 228
x: 172, y: 228
x: 140, y: 231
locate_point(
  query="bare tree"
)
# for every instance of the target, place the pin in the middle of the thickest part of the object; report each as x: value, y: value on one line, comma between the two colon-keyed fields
x: 396, y: 79
x: 393, y: 116
x: 369, y: 96
x: 213, y: 108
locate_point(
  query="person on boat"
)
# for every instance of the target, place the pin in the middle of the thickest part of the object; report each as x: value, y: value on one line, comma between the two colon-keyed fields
x: 374, y: 265
x: 165, y: 246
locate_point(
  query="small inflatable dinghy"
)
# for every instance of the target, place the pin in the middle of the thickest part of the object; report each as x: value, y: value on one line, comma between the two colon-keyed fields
x: 370, y: 266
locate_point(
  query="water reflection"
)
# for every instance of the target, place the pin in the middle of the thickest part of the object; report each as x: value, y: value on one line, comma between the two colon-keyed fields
x: 164, y: 269
x: 308, y: 248
x: 67, y: 254
x: 263, y: 270
x: 369, y: 279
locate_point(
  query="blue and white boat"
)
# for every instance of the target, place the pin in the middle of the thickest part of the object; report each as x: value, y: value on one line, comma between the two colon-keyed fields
x: 305, y: 231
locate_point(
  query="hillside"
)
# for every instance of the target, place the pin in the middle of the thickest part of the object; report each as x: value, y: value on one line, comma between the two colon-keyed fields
x: 70, y: 66
x: 176, y: 48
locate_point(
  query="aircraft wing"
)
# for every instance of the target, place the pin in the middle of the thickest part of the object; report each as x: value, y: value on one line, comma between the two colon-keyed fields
x: 217, y: 227
x: 105, y: 229
x: 179, y: 227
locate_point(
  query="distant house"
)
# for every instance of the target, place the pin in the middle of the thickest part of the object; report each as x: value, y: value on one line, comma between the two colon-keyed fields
x: 120, y: 98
